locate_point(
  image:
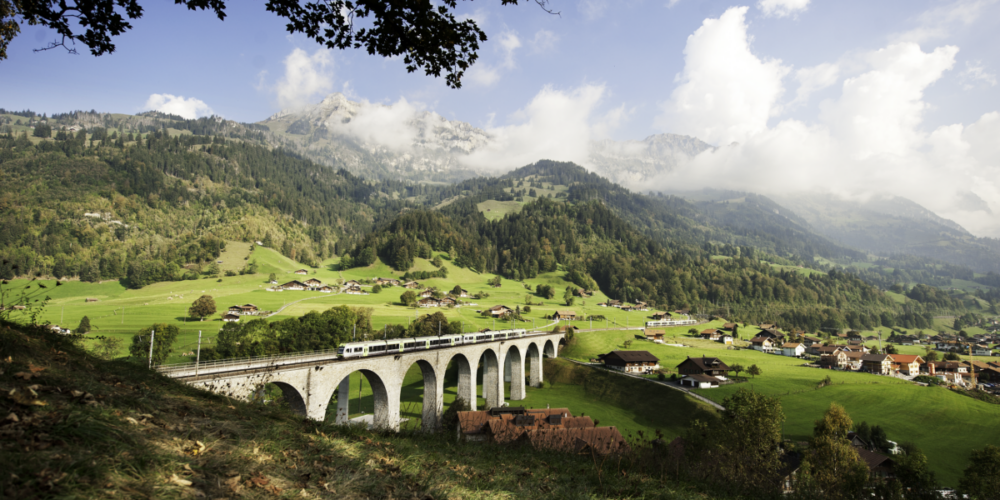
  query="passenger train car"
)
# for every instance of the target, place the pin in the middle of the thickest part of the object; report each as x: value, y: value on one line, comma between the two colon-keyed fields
x: 376, y: 347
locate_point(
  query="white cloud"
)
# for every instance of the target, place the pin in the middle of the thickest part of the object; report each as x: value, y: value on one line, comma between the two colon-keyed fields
x: 726, y: 93
x: 593, y: 9
x: 485, y: 74
x: 782, y: 8
x: 869, y: 140
x: 975, y: 75
x: 189, y: 108
x: 555, y: 125
x: 395, y: 125
x: 941, y: 22
x: 544, y: 41
x: 814, y: 79
x: 305, y: 78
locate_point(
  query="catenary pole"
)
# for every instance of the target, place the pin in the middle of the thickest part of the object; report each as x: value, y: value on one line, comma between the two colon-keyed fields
x: 197, y: 360
x: 152, y: 337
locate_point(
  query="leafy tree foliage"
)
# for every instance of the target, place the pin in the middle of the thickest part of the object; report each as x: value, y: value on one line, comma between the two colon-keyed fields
x: 754, y: 370
x: 312, y: 331
x: 727, y: 454
x: 163, y: 342
x: 832, y: 468
x: 981, y: 479
x: 408, y: 298
x: 202, y: 307
x: 84, y: 325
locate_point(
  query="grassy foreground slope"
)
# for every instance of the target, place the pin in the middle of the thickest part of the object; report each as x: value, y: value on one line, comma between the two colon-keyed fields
x: 134, y: 434
x: 945, y: 425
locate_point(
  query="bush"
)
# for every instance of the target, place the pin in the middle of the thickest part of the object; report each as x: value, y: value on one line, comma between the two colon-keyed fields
x: 527, y: 309
x: 661, y: 376
x: 927, y: 379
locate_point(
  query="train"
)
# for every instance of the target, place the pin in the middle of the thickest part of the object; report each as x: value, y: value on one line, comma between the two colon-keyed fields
x: 392, y: 346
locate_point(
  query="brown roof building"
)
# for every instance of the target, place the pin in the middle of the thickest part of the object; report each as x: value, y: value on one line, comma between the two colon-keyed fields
x: 713, y: 367
x: 631, y: 361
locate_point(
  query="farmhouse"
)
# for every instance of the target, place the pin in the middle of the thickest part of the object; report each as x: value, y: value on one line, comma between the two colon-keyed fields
x: 854, y: 359
x: 447, y: 301
x: 982, y: 350
x: 654, y: 334
x: 793, y: 349
x: 710, y: 334
x: 499, y: 310
x: 698, y: 381
x: 729, y: 326
x: 325, y: 289
x: 294, y: 285
x: 230, y: 317
x: 877, y: 363
x: 659, y: 316
x: 564, y: 315
x: 312, y: 282
x: 631, y: 361
x: 908, y: 364
x: 302, y: 272
x: 762, y: 344
x: 428, y: 302
x: 811, y: 341
x: 837, y: 359
x: 713, y: 367
x: 351, y: 283
x: 355, y: 290
x: 429, y: 292
x: 412, y: 285
x: 464, y: 293
x: 820, y: 350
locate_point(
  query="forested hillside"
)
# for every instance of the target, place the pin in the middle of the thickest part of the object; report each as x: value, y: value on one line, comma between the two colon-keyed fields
x: 106, y: 205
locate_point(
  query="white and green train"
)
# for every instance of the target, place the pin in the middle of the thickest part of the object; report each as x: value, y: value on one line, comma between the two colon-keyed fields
x: 376, y: 347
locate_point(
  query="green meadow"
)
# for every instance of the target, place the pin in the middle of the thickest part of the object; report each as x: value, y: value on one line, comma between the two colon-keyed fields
x: 120, y: 312
x: 945, y: 425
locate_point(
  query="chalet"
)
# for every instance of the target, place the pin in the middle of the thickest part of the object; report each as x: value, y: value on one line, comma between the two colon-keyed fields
x: 564, y: 315
x: 386, y: 281
x: 793, y: 349
x: 412, y: 285
x: 699, y: 381
x: 710, y: 334
x: 313, y: 282
x: 856, y: 347
x: 854, y: 360
x: 351, y: 283
x: 683, y: 312
x: 713, y: 367
x: 729, y: 327
x: 631, y: 361
x: 820, y: 350
x: 855, y: 335
x: 497, y: 311
x: 880, y: 467
x: 772, y: 334
x: 447, y: 301
x: 765, y: 326
x: 583, y: 293
x: 654, y: 334
x: 302, y: 272
x: 762, y: 344
x: 981, y: 350
x: 427, y: 293
x: 325, y: 289
x: 725, y: 338
x: 641, y: 306
x: 464, y: 293
x: 294, y: 285
x: 615, y: 303
x: 231, y: 317
x: 355, y: 290
x: 660, y: 316
x: 628, y: 308
x: 429, y: 302
x: 811, y: 341
x: 835, y: 360
x: 877, y: 363
x: 908, y: 364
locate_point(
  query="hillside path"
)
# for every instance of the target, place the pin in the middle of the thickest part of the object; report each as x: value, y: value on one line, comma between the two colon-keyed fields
x: 300, y: 300
x: 663, y: 383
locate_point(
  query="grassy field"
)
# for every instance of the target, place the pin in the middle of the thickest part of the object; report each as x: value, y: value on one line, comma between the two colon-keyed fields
x: 120, y: 311
x: 946, y: 425
x: 495, y: 210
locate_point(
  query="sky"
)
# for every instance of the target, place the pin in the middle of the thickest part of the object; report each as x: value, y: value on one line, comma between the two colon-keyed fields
x: 853, y: 98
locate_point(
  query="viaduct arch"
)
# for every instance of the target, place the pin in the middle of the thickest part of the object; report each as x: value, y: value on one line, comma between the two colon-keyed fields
x: 309, y: 380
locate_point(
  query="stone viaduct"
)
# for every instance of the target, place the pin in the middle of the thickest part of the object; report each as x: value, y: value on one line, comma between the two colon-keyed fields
x: 309, y: 380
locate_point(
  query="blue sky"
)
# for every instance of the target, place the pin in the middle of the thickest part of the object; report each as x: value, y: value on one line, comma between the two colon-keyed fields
x: 816, y: 92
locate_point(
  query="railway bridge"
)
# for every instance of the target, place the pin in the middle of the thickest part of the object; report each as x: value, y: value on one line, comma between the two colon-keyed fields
x: 308, y: 380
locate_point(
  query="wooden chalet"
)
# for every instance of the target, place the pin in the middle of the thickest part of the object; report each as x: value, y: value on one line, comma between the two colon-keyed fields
x: 313, y: 282
x: 908, y: 364
x: 564, y: 315
x: 302, y: 272
x: 230, y: 317
x: 499, y: 310
x: 762, y: 344
x: 654, y: 334
x: 710, y: 334
x: 713, y: 367
x: 294, y: 285
x: 631, y: 361
x: 877, y: 363
x: 429, y: 302
x: 412, y: 285
x: 660, y: 316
